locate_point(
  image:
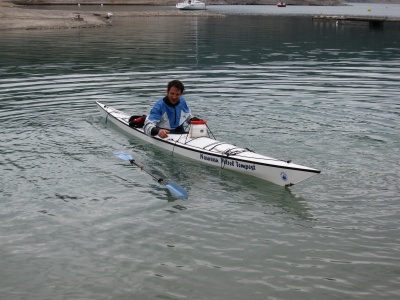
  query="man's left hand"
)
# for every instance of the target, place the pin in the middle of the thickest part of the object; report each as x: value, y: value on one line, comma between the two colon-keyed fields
x: 163, y: 133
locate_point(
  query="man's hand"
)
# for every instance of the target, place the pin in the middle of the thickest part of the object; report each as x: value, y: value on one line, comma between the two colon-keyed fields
x: 163, y: 133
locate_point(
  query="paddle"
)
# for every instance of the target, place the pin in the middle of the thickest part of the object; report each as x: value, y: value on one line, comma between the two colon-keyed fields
x: 173, y: 187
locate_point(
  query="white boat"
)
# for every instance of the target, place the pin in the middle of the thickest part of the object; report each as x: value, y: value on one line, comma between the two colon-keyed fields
x: 205, y: 149
x: 191, y: 5
x: 281, y: 4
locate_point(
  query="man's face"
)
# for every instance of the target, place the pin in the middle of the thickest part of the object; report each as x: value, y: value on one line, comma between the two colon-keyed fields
x: 174, y: 94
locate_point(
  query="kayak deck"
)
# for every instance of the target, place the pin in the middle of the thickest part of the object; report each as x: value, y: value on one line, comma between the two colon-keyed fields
x: 220, y: 154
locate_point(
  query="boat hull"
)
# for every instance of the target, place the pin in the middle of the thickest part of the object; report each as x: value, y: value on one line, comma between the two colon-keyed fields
x: 192, y: 6
x: 215, y: 153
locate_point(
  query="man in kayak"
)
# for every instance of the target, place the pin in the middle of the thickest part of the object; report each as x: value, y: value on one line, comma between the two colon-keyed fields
x: 169, y: 113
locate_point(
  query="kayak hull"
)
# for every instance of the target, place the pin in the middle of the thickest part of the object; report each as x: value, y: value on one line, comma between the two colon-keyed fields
x: 215, y: 153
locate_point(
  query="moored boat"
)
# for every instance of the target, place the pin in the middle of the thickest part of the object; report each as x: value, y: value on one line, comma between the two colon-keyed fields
x: 281, y: 4
x: 197, y: 144
x: 191, y: 5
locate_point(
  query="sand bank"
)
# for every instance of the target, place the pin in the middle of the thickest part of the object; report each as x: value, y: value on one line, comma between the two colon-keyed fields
x: 15, y: 17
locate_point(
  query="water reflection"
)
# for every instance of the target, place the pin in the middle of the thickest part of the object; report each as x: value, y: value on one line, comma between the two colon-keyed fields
x: 204, y: 181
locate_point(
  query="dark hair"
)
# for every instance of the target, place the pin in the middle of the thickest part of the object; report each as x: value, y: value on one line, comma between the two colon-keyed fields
x: 176, y: 83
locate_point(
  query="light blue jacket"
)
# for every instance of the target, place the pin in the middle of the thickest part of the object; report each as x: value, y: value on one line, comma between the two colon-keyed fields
x: 167, y: 116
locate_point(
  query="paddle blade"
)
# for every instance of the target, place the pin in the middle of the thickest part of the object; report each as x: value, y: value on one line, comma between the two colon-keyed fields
x: 177, y: 190
x: 123, y: 156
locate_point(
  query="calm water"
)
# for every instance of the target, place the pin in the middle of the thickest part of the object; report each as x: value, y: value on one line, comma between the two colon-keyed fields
x: 77, y: 223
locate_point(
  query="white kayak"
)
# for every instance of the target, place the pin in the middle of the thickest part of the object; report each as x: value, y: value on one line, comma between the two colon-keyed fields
x: 207, y: 150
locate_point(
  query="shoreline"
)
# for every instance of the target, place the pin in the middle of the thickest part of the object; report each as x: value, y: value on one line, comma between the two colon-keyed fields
x: 21, y: 17
x: 17, y: 18
x: 14, y: 17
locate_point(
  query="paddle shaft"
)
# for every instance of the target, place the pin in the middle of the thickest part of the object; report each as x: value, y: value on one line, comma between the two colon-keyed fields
x: 133, y: 162
x: 175, y: 189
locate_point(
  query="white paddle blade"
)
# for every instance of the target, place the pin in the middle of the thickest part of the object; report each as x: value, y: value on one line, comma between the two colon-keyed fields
x: 123, y: 156
x: 177, y: 190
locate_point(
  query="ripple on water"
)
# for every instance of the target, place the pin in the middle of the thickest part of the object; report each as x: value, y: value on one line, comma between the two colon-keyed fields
x: 73, y: 213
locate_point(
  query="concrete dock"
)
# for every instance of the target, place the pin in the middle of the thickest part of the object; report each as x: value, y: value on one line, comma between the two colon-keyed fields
x: 371, y: 21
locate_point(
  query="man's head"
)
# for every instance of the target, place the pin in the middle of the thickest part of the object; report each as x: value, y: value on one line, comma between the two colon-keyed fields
x: 175, y: 90
x: 176, y: 83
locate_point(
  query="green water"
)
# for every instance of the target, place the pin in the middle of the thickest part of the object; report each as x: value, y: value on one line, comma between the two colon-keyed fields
x: 77, y: 223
